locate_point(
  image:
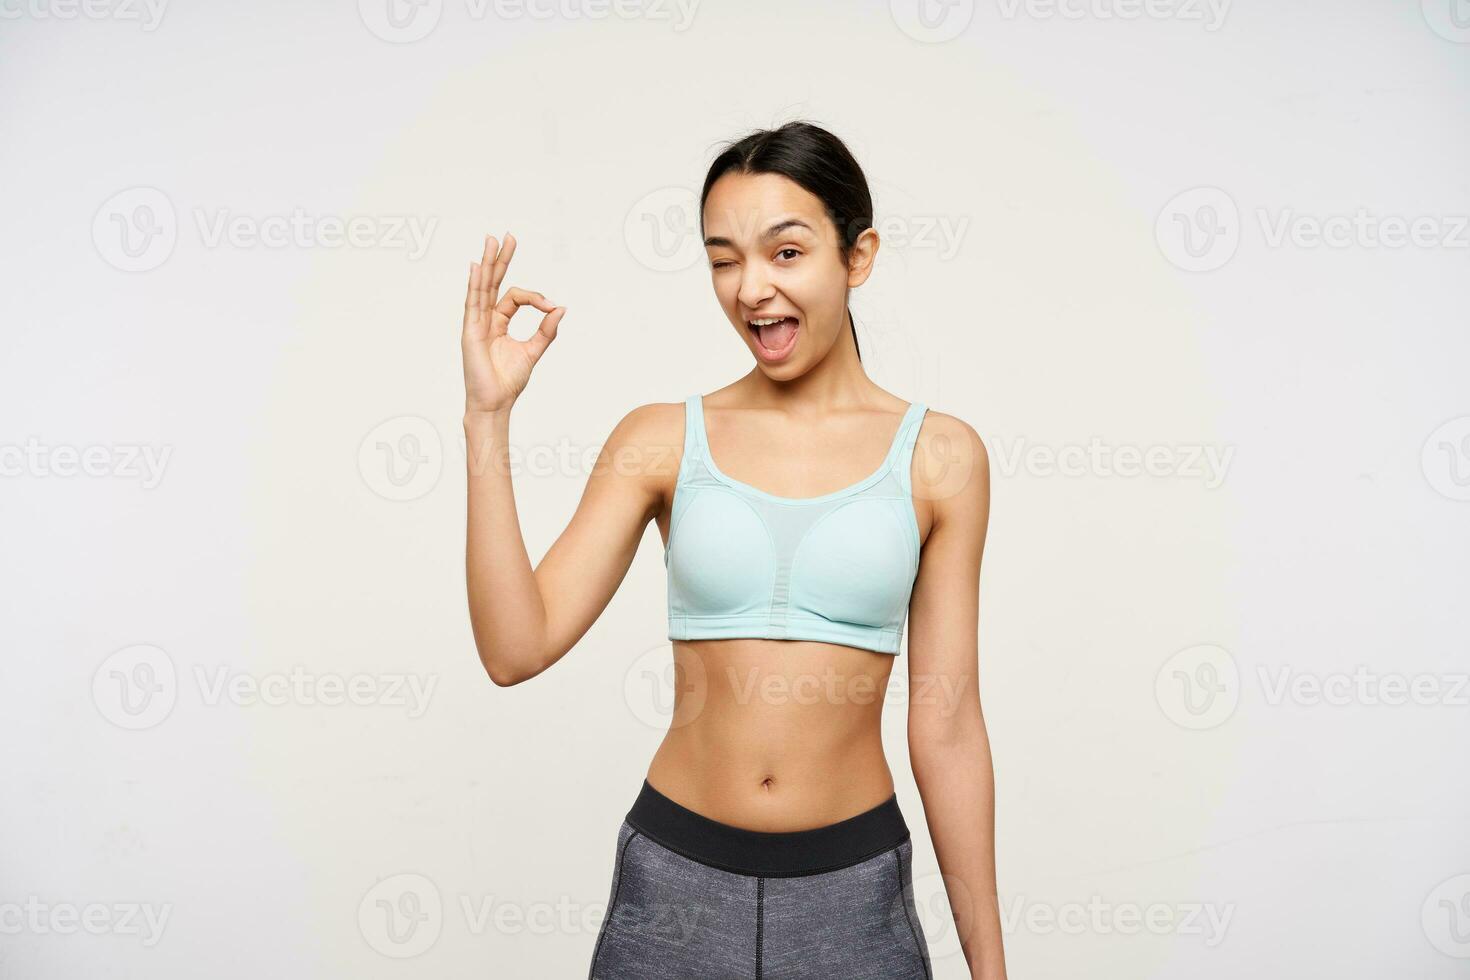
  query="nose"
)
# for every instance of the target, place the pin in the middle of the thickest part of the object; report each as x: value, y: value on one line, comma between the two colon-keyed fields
x: 755, y: 286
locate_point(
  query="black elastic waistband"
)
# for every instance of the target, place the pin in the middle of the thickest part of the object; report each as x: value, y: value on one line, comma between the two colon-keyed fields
x: 768, y: 854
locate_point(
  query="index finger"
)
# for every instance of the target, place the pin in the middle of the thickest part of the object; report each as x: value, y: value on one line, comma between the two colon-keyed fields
x: 516, y: 297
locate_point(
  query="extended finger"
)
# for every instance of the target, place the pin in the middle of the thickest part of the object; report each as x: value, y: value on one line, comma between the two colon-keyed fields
x: 482, y: 295
x: 474, y: 311
x: 471, y: 295
x: 498, y: 267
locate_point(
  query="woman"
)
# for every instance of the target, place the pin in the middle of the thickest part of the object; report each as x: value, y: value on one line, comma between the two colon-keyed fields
x: 800, y: 531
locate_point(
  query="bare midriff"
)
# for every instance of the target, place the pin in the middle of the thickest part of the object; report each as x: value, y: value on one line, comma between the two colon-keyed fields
x: 775, y: 735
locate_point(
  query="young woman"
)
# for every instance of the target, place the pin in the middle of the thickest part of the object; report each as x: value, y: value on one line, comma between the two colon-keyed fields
x: 801, y: 527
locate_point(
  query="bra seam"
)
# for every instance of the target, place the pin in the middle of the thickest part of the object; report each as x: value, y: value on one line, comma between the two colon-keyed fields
x: 796, y: 555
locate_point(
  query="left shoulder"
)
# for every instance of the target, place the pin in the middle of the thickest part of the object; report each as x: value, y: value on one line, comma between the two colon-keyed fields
x: 951, y: 466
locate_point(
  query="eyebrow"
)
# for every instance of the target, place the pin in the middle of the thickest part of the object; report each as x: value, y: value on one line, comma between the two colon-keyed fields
x: 716, y: 241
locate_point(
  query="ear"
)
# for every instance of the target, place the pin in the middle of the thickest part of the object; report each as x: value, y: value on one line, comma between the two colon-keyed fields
x: 860, y: 260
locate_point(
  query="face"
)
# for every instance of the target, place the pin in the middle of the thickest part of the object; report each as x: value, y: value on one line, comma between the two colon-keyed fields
x: 774, y: 255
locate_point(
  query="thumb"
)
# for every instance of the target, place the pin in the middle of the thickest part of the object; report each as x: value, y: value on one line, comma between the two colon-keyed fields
x: 537, y: 343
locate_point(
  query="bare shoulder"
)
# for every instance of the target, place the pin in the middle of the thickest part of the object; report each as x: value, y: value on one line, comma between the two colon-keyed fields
x: 951, y: 465
x: 646, y: 442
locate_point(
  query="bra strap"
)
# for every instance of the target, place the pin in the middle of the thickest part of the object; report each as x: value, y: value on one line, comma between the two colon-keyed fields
x: 908, y: 438
x: 693, y: 433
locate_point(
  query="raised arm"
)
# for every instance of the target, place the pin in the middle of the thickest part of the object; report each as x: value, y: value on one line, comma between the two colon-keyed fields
x: 948, y: 744
x: 526, y: 619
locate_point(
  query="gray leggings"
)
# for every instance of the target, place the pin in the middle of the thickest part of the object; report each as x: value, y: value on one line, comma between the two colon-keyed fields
x: 693, y: 899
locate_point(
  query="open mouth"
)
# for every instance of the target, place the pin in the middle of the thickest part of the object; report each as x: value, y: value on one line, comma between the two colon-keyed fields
x: 775, y: 336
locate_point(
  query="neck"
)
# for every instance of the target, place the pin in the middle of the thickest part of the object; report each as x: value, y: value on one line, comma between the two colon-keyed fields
x: 836, y: 382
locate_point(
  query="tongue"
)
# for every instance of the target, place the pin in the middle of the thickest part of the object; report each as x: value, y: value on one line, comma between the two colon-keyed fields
x: 777, y: 335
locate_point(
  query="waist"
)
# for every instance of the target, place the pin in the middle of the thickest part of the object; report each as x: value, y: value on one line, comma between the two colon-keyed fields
x: 765, y: 772
x: 767, y: 854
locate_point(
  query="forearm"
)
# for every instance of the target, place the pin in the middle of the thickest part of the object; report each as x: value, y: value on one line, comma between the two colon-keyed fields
x: 507, y: 613
x: 957, y: 784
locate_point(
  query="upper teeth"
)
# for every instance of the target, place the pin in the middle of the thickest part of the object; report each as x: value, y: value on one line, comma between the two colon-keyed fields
x: 767, y: 322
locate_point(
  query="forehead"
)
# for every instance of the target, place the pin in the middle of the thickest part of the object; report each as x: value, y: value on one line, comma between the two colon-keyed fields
x: 742, y: 206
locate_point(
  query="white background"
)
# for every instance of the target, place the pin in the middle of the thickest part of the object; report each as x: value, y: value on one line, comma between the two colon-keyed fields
x: 1041, y: 277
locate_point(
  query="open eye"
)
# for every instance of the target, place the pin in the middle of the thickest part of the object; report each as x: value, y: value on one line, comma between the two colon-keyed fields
x: 794, y: 252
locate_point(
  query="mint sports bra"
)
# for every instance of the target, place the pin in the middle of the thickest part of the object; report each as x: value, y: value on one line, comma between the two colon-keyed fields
x: 838, y: 568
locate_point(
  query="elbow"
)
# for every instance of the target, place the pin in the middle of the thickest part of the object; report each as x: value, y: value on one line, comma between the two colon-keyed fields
x: 507, y: 670
x: 501, y: 678
x: 503, y: 673
x: 498, y: 668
